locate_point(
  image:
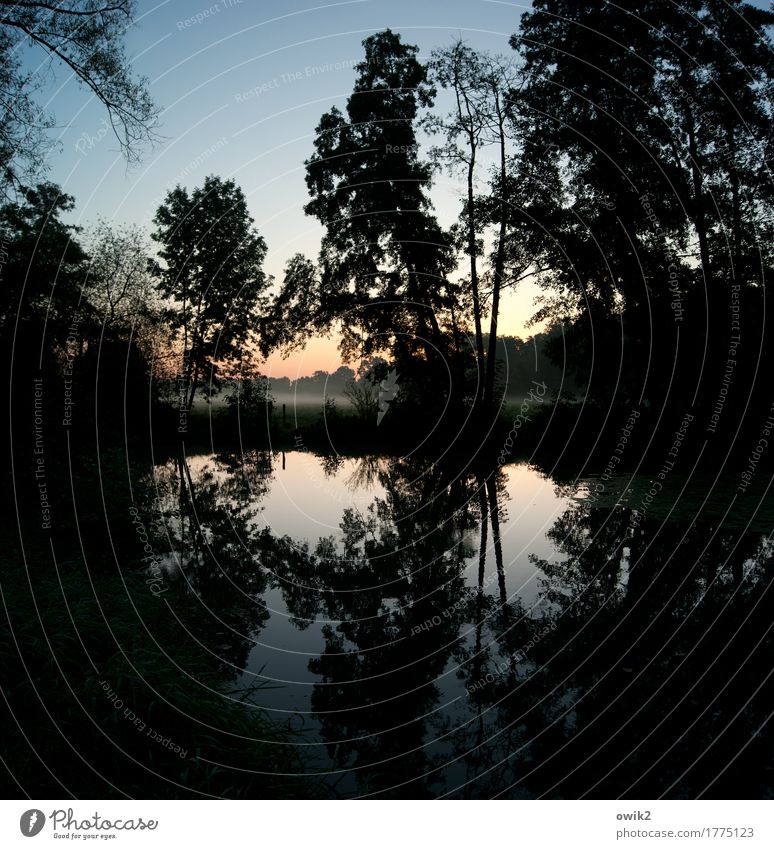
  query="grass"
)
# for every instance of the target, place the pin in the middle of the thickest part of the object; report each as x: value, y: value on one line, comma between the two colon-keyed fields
x: 102, y: 680
x: 109, y: 681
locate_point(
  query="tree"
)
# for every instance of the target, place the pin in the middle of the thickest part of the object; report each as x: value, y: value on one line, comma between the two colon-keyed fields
x: 590, y: 79
x: 76, y: 308
x: 119, y: 285
x: 86, y: 37
x: 212, y: 273
x: 125, y: 316
x: 384, y: 258
x: 364, y: 391
x: 121, y: 290
x: 460, y: 69
x: 251, y: 401
x: 498, y: 80
x: 42, y: 278
x: 295, y: 310
x: 517, y: 197
x: 659, y: 119
x: 713, y: 88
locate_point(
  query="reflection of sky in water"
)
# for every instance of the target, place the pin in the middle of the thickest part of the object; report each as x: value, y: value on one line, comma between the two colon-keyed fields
x: 306, y: 505
x: 301, y: 503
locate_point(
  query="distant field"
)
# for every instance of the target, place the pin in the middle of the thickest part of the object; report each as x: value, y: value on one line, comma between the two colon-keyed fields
x: 300, y: 401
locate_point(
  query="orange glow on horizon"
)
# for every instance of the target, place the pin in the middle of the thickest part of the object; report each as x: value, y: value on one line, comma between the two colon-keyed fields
x: 322, y: 353
x: 319, y: 354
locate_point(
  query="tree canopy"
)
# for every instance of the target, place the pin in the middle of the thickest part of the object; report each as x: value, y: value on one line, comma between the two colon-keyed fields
x: 212, y: 273
x: 86, y: 38
x: 384, y: 258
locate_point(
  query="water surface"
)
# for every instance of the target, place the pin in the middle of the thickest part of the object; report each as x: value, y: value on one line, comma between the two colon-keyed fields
x: 428, y: 631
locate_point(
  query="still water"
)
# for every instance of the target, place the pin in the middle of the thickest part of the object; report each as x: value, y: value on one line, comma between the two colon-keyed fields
x: 430, y: 631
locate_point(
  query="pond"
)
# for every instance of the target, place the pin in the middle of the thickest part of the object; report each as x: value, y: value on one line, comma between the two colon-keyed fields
x: 429, y: 631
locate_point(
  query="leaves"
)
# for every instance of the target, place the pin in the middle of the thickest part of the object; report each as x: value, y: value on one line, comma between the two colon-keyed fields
x: 212, y: 274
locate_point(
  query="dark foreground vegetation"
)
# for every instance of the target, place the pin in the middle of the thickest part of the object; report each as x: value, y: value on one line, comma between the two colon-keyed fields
x: 114, y: 685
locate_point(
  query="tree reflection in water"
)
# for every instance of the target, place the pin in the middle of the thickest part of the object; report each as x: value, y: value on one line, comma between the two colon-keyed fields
x: 642, y: 670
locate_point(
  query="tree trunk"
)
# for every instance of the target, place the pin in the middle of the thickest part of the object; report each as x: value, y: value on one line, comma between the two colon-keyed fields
x: 194, y: 383
x: 736, y: 207
x: 697, y: 182
x: 426, y: 312
x: 497, y: 277
x: 474, y: 277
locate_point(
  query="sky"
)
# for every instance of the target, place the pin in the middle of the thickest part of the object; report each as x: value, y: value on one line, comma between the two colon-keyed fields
x: 241, y: 86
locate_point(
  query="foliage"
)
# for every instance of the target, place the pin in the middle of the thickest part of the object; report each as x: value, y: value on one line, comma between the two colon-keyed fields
x: 517, y: 199
x: 119, y: 285
x: 86, y: 37
x: 212, y: 273
x: 364, y: 397
x: 384, y: 258
x: 364, y: 392
x: 42, y: 277
x: 658, y: 119
x: 251, y: 398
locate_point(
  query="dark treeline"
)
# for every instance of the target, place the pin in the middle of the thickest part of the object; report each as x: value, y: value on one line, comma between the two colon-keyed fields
x: 618, y: 159
x: 520, y: 363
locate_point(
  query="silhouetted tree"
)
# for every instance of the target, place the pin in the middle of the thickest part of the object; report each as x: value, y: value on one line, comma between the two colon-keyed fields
x: 212, y: 272
x: 460, y: 69
x: 384, y: 258
x: 658, y: 117
x: 43, y: 274
x: 519, y: 195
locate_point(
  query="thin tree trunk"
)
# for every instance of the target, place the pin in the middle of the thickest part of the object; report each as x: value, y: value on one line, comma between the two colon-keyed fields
x: 736, y: 210
x: 697, y: 181
x: 194, y: 382
x: 469, y: 120
x: 499, y: 269
x: 425, y: 312
x: 474, y: 274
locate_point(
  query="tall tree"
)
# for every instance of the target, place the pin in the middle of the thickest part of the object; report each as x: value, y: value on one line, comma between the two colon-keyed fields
x: 498, y: 79
x: 119, y: 285
x: 715, y: 68
x: 658, y: 116
x: 460, y: 69
x: 42, y: 271
x: 119, y: 288
x: 384, y: 258
x: 518, y: 195
x: 590, y: 78
x: 212, y: 273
